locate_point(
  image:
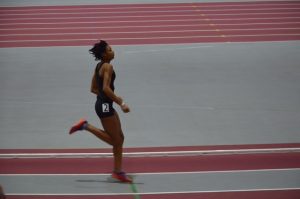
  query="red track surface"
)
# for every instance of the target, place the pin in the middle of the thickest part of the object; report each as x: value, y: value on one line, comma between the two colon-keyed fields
x: 157, y: 149
x: 288, y: 194
x: 160, y: 164
x: 151, y: 164
x: 153, y: 24
x: 150, y: 23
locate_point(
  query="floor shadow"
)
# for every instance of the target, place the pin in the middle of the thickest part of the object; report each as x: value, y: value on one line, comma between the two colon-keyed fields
x: 110, y: 181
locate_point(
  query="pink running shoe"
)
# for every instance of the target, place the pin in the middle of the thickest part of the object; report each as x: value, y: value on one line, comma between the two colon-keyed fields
x: 121, y: 176
x: 78, y: 126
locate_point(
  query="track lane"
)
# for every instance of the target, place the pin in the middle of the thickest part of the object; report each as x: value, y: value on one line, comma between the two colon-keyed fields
x: 151, y: 164
x: 169, y: 6
x: 268, y: 194
x: 154, y: 34
x: 180, y: 17
x: 178, y: 27
x: 196, y: 23
x: 255, y: 194
x: 290, y: 193
x: 160, y: 149
x: 153, y: 23
x: 144, y: 41
x: 150, y: 12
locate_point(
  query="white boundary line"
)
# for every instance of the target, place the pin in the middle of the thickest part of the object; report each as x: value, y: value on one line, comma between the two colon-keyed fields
x: 146, y: 32
x: 282, y: 41
x: 184, y: 43
x: 195, y: 9
x: 147, y: 16
x: 145, y: 21
x: 151, y: 154
x: 157, y: 173
x: 153, y: 5
x: 143, y: 26
x: 148, y: 38
x: 192, y: 5
x: 154, y: 193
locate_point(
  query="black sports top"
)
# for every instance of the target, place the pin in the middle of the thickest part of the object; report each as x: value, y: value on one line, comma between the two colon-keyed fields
x: 99, y: 81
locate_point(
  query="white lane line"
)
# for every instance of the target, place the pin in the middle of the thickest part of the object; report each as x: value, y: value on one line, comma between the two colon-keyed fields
x: 158, y: 173
x: 147, y: 32
x: 145, y: 21
x: 197, y: 12
x: 154, y: 26
x: 185, y: 43
x: 151, y: 6
x: 147, y: 38
x: 144, y: 16
x: 151, y: 154
x: 163, y: 192
x: 159, y: 5
x: 154, y: 193
x: 102, y: 17
x: 196, y: 9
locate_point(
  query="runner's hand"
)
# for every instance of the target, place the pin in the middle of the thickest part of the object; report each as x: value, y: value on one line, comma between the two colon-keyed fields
x: 125, y: 108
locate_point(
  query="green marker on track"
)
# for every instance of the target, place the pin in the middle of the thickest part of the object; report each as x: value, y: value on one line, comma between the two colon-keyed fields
x: 135, y: 191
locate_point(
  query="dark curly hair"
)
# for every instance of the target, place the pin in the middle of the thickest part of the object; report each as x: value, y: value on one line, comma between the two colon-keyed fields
x: 98, y: 49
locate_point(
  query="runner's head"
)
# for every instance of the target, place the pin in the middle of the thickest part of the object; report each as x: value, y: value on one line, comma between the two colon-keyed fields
x: 102, y: 51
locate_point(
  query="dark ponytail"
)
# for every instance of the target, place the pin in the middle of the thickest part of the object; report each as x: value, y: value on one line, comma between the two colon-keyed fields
x: 98, y: 49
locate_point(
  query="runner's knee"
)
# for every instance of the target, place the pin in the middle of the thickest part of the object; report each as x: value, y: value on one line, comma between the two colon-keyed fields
x: 118, y: 140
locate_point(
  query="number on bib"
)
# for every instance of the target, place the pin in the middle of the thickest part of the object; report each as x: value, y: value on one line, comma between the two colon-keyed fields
x: 105, y: 108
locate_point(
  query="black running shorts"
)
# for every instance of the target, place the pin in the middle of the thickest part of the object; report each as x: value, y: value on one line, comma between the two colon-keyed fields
x: 104, y: 108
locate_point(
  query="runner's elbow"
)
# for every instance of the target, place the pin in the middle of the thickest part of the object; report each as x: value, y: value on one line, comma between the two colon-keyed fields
x: 106, y: 90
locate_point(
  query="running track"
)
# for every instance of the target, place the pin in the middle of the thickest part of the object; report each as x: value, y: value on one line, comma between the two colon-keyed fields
x: 194, y: 163
x: 127, y: 24
x: 153, y: 24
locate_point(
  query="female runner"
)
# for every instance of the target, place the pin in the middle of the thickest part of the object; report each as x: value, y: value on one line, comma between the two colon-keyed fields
x: 103, y: 86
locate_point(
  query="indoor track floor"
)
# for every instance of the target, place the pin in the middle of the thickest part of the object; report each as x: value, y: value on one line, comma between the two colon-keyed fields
x: 213, y: 88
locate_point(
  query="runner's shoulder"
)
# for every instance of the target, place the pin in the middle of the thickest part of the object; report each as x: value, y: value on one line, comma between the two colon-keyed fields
x: 107, y: 67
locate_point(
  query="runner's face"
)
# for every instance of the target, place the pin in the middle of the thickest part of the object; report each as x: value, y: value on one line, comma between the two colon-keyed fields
x: 110, y: 54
